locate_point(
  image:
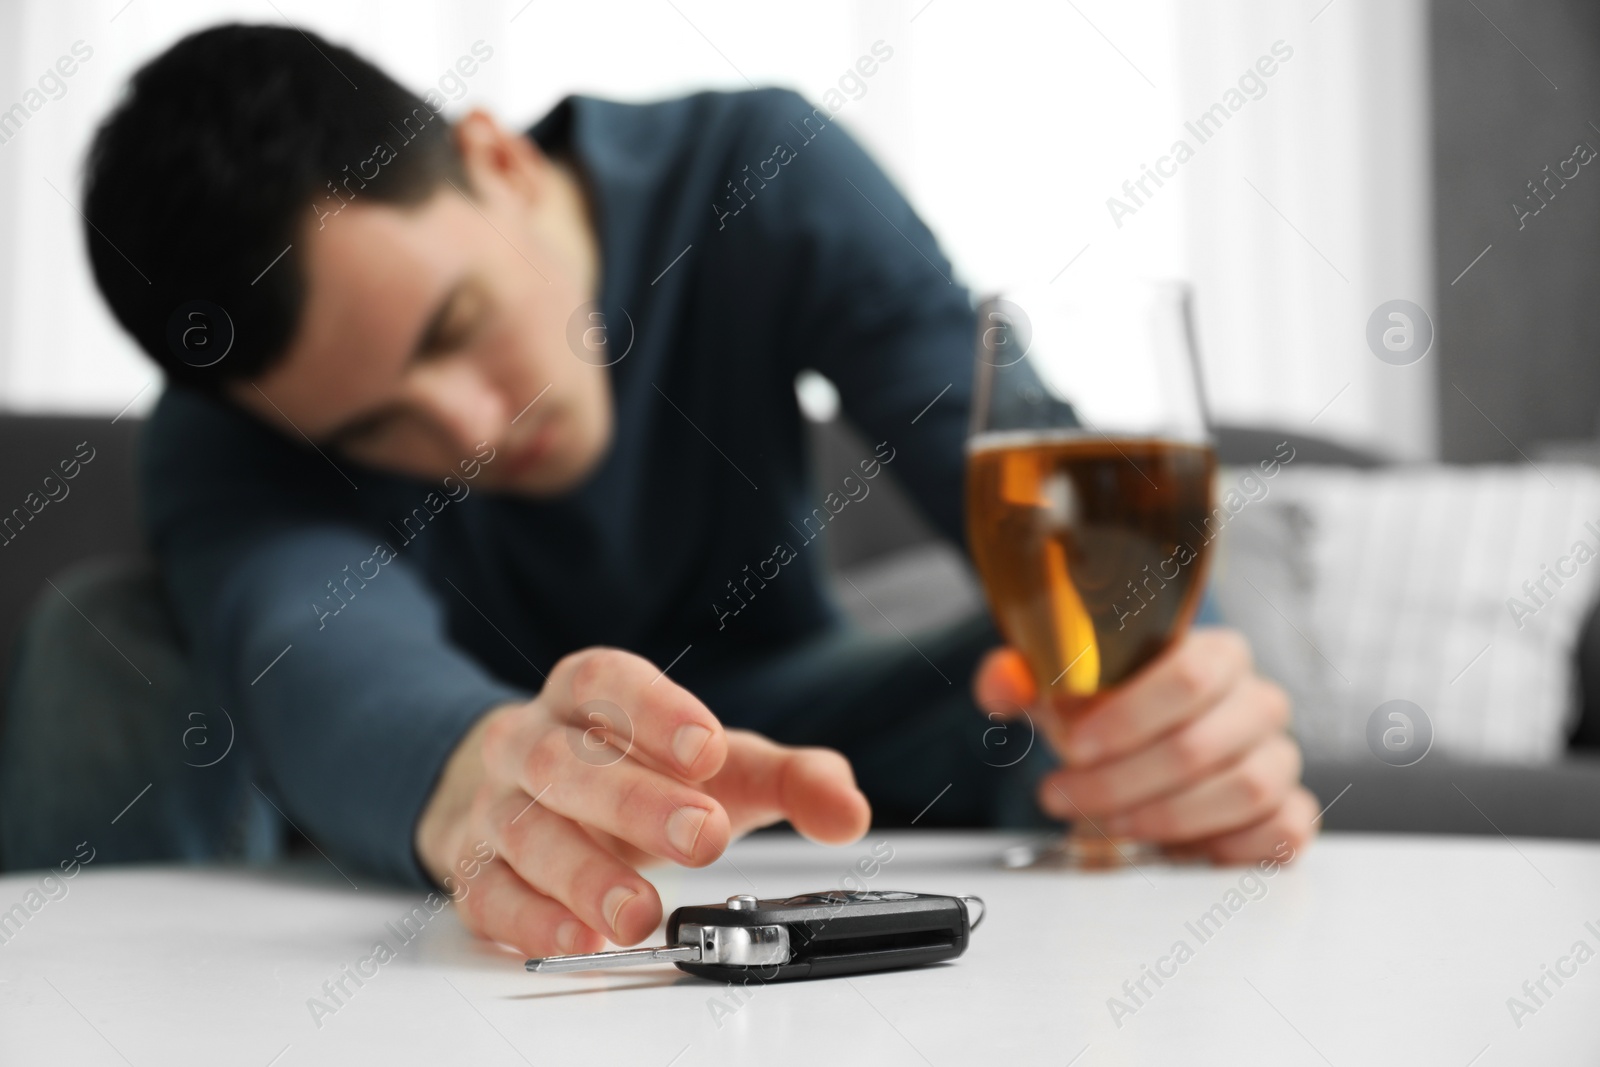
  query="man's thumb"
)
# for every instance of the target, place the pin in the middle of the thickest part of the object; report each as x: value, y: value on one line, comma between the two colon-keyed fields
x: 1004, y: 686
x: 821, y: 799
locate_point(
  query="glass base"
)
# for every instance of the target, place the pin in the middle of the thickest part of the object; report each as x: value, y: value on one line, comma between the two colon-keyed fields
x: 1080, y: 852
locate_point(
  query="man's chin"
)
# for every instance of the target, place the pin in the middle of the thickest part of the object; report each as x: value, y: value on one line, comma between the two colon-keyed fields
x: 558, y: 473
x: 540, y: 484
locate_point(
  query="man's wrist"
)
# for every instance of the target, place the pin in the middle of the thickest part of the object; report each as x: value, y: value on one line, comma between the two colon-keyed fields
x: 439, y: 829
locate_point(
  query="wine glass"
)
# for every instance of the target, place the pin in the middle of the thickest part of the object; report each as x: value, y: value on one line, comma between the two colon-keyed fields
x: 1089, y: 497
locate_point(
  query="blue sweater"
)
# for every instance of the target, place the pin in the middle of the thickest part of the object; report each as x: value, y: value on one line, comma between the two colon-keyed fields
x: 360, y: 621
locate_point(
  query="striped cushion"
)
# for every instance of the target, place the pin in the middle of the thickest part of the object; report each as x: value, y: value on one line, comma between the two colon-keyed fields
x: 1429, y: 584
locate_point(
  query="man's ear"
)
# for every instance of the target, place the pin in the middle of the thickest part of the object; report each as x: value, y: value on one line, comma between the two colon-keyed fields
x: 498, y: 159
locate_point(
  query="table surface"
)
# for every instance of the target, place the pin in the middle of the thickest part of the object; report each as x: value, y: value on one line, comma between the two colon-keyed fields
x: 1368, y: 950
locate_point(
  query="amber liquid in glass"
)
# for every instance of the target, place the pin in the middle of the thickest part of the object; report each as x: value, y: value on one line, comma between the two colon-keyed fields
x: 1092, y: 551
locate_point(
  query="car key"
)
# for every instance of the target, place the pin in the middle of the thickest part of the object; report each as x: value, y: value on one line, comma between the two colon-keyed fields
x: 813, y: 935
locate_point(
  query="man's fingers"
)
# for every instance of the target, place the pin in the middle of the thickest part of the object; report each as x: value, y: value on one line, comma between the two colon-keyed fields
x: 655, y: 812
x: 763, y: 782
x: 1003, y: 685
x: 558, y: 859
x: 1234, y: 797
x: 502, y: 907
x: 624, y: 702
x: 1179, y: 685
x: 1254, y: 710
x: 1279, y: 836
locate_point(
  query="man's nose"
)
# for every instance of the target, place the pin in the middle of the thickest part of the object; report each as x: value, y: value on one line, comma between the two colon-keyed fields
x: 465, y: 404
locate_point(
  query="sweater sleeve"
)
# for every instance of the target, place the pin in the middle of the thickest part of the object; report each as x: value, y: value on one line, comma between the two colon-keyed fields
x: 316, y: 630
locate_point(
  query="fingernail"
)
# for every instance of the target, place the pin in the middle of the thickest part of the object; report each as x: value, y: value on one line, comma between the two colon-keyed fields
x: 616, y: 899
x: 683, y: 829
x: 567, y: 936
x: 689, y: 742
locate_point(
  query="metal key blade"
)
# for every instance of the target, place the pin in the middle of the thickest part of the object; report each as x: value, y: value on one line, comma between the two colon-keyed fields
x: 632, y: 957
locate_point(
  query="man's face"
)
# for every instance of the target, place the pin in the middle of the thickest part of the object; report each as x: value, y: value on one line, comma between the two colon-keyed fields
x: 429, y: 329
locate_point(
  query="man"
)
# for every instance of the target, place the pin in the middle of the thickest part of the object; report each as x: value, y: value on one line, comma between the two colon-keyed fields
x: 479, y: 491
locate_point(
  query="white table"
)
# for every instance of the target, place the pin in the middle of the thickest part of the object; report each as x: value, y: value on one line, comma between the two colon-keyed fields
x: 1370, y: 950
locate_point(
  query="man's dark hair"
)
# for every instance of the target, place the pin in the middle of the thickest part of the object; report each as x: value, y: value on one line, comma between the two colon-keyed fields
x: 222, y: 150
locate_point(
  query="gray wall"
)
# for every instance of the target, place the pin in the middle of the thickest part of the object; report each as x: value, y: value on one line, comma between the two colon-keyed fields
x: 1520, y: 334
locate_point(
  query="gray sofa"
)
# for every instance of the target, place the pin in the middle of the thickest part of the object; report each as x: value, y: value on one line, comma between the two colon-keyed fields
x: 95, y: 518
x: 899, y: 575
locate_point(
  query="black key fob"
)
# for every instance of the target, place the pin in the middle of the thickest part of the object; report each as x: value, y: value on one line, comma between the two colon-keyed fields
x: 813, y: 935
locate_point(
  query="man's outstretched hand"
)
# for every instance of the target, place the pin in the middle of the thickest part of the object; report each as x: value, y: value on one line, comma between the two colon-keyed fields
x: 611, y: 767
x: 1191, y: 753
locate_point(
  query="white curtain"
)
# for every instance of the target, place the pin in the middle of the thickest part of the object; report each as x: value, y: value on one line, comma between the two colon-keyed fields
x: 1009, y: 123
x: 1308, y: 210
